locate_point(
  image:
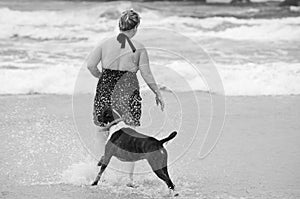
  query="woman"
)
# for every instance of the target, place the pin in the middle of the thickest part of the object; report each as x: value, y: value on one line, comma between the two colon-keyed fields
x: 118, y: 87
x: 117, y: 93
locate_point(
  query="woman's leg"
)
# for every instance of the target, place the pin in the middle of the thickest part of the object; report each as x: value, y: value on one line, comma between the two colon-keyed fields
x: 132, y: 164
x: 131, y: 170
x: 100, y: 139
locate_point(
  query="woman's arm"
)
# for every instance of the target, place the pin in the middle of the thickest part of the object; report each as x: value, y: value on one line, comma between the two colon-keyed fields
x: 93, y: 60
x: 147, y: 75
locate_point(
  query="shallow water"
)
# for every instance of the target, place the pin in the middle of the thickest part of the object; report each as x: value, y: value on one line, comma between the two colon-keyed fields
x: 40, y: 145
x: 42, y: 156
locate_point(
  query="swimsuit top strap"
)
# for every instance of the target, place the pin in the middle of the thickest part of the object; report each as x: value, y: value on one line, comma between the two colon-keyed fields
x: 122, y: 39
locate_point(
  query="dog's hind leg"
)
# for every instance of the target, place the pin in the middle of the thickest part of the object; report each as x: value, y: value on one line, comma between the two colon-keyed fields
x: 165, y: 177
x: 172, y: 191
x: 161, y: 174
x: 104, y: 162
x: 158, y: 170
x: 159, y: 167
x: 165, y: 170
x: 164, y: 165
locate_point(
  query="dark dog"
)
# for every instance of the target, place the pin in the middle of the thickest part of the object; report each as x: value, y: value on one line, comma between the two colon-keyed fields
x: 129, y: 146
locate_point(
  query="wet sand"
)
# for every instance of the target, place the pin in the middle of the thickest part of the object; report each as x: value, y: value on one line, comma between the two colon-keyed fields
x: 257, y: 155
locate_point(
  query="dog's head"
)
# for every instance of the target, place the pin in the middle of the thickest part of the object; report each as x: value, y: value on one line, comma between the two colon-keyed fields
x: 110, y: 115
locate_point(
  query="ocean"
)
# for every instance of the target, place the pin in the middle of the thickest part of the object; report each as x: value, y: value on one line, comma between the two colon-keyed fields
x: 44, y: 45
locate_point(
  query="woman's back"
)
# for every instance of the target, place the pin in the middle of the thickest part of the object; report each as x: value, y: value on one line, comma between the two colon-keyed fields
x: 116, y: 58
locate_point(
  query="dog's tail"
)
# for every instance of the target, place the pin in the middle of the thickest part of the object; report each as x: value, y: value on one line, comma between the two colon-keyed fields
x: 170, y: 137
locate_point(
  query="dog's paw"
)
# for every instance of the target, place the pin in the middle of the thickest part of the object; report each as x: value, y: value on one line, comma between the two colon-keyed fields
x: 131, y: 185
x: 94, y: 183
x: 173, y: 193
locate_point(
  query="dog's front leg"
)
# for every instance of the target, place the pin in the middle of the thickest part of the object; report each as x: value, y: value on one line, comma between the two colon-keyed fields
x: 100, y: 161
x: 103, y: 167
x: 104, y: 162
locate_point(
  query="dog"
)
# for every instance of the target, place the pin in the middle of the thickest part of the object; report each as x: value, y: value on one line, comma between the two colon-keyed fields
x: 128, y: 145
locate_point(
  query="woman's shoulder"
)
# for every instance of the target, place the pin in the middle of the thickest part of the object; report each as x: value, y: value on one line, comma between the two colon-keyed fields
x: 101, y: 43
x: 106, y: 41
x: 138, y: 45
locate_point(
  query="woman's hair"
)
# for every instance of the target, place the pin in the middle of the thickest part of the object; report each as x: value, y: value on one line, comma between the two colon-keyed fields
x: 129, y: 19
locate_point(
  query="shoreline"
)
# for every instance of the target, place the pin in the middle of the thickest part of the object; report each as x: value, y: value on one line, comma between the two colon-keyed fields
x: 180, y: 92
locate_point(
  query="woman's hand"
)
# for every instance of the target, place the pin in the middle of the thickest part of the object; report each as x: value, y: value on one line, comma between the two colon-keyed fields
x: 160, y: 101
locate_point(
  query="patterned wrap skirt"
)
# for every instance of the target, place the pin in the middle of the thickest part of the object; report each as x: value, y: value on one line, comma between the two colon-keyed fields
x: 117, y: 95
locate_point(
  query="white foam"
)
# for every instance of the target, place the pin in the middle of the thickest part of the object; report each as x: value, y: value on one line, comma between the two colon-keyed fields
x: 278, y: 78
x: 285, y: 29
x: 86, y: 24
x: 53, y: 25
x: 245, y: 79
x: 191, y: 77
x: 265, y: 32
x: 58, y: 79
x: 261, y: 79
x: 114, y: 181
x: 295, y: 8
x: 81, y: 173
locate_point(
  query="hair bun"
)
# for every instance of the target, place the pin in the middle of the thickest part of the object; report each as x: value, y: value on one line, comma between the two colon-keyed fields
x: 128, y: 20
